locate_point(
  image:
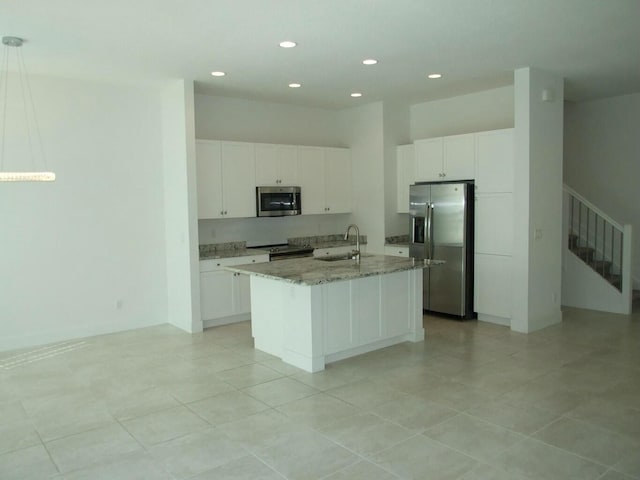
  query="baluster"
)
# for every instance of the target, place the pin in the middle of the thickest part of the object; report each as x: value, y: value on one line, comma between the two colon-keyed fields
x: 595, y: 240
x: 621, y: 246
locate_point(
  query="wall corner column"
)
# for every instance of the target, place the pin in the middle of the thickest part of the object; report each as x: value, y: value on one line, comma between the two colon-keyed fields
x: 180, y: 201
x: 538, y: 236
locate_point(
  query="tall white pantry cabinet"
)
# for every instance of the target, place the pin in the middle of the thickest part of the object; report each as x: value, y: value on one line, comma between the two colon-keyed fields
x: 487, y: 158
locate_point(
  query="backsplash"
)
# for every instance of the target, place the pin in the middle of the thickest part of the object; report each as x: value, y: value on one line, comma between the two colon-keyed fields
x: 396, y: 239
x: 325, y: 239
x: 267, y: 231
x: 212, y: 248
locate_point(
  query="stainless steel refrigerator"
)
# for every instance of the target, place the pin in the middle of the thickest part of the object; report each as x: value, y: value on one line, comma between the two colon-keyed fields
x: 441, y: 227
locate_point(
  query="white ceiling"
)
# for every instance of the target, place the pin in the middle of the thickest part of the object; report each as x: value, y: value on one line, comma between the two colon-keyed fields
x: 475, y: 44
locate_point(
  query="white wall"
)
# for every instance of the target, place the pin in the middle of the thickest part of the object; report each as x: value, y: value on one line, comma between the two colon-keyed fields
x: 85, y: 255
x: 363, y: 129
x: 486, y: 110
x: 537, y: 251
x: 219, y: 118
x: 601, y: 159
x: 180, y: 204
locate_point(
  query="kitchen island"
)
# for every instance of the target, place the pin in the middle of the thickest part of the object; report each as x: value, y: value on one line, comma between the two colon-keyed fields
x: 310, y: 311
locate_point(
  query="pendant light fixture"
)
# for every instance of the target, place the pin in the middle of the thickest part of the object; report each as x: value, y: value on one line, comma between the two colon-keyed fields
x: 11, y: 45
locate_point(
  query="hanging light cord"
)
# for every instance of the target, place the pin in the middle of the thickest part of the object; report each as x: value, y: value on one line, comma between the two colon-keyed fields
x: 31, y: 124
x: 4, y: 73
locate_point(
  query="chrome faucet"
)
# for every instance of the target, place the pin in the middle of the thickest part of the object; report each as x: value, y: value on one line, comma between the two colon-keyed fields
x: 355, y: 254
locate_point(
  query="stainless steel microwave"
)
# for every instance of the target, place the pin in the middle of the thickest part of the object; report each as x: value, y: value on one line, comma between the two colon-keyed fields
x: 278, y: 201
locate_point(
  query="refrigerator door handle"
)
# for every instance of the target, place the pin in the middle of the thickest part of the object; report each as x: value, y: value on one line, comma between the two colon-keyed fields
x: 428, y: 233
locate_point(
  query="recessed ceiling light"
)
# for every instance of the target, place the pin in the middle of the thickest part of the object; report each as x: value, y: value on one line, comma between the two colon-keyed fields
x: 218, y: 74
x: 370, y: 61
x: 295, y: 85
x: 356, y: 94
x: 288, y: 44
x: 434, y: 75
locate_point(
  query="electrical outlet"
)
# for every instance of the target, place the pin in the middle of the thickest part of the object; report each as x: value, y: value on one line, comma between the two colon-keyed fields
x: 537, y: 234
x: 119, y: 303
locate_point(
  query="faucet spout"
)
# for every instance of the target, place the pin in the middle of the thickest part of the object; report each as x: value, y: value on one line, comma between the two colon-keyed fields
x: 355, y: 254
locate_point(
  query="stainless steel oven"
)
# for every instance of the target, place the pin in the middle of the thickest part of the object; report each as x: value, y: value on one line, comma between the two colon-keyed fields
x: 278, y: 201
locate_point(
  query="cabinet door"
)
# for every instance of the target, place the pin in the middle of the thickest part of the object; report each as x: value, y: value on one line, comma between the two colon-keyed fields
x: 494, y: 161
x: 216, y: 294
x: 266, y: 165
x: 459, y: 157
x: 242, y: 293
x: 406, y: 173
x: 494, y: 223
x: 338, y: 180
x: 238, y: 179
x: 396, y: 301
x: 492, y: 285
x: 311, y: 177
x: 429, y: 156
x: 276, y: 165
x: 208, y: 179
x: 339, y: 328
x: 287, y: 165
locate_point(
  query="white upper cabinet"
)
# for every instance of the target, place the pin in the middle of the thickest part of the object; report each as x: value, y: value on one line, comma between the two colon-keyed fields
x: 311, y: 176
x: 495, y: 157
x: 459, y: 157
x: 209, y: 179
x: 276, y: 165
x: 445, y: 158
x: 406, y: 175
x: 225, y: 179
x: 428, y: 158
x: 324, y: 176
x: 238, y: 177
x: 337, y: 180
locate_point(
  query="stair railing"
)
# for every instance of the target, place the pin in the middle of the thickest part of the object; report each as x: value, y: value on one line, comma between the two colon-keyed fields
x: 600, y: 241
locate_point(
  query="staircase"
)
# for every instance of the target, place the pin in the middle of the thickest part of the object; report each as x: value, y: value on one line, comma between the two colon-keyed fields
x: 603, y: 248
x: 600, y: 262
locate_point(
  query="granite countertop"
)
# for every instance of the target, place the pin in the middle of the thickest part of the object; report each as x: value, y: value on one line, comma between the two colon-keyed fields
x: 327, y: 241
x: 228, y: 250
x: 312, y: 271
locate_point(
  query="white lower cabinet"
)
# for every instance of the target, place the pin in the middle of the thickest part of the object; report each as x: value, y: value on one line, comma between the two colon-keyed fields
x: 225, y: 296
x: 492, y: 288
x: 367, y: 311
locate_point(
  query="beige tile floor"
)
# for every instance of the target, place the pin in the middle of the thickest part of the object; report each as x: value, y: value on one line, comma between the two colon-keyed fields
x: 474, y: 401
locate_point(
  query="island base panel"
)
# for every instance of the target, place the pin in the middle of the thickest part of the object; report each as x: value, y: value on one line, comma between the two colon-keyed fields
x: 309, y: 326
